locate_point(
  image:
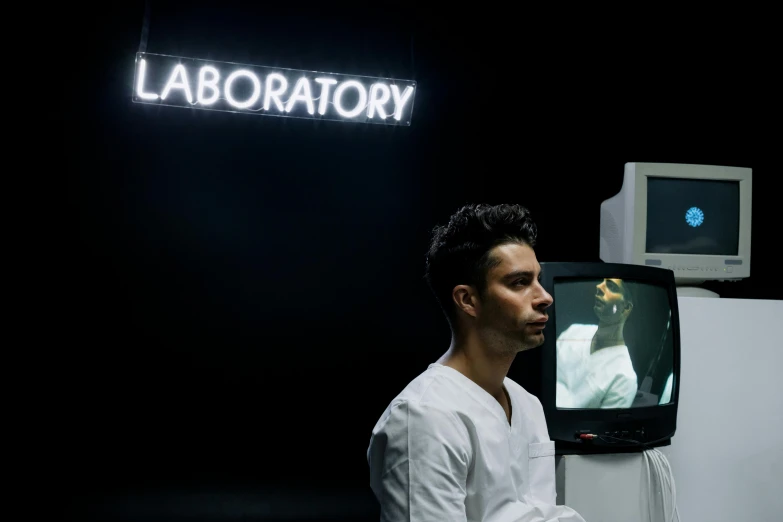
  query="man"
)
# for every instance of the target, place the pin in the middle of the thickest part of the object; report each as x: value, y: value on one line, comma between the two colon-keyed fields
x: 594, y: 368
x: 463, y: 442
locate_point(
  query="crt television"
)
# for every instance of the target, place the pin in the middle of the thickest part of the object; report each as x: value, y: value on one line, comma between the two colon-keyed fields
x: 691, y: 219
x: 608, y: 373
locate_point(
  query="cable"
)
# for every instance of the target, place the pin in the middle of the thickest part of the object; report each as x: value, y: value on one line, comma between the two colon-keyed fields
x: 649, y: 488
x: 646, y: 445
x: 659, y: 473
x: 145, y: 28
x: 413, y: 63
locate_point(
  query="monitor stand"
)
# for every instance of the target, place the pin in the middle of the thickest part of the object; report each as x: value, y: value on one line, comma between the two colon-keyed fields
x: 695, y: 291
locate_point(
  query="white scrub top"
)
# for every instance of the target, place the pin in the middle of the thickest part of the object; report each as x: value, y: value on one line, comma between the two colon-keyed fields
x: 443, y: 451
x: 604, y: 379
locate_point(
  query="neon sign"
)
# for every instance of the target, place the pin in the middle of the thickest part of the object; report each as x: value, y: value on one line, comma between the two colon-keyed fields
x: 271, y: 91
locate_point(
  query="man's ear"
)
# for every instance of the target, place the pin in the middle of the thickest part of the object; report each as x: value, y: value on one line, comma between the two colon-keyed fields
x: 628, y: 308
x: 466, y: 299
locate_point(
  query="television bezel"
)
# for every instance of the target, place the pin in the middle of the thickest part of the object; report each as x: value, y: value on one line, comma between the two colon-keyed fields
x: 659, y: 422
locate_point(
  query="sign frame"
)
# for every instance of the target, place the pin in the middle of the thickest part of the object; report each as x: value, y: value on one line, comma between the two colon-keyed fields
x: 379, y: 100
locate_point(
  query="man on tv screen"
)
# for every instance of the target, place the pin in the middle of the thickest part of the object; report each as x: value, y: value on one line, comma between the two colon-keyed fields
x: 594, y: 368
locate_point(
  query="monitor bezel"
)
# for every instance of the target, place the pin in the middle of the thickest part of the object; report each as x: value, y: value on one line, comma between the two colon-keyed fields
x: 694, y: 267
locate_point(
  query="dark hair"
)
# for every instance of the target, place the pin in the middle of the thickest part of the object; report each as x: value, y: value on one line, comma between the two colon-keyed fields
x: 459, y: 251
x: 628, y: 291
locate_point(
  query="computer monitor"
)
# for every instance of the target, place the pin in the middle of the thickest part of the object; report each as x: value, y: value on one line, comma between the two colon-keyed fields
x: 608, y: 373
x: 692, y: 219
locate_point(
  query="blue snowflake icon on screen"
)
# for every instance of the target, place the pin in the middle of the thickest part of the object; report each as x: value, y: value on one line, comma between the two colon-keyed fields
x: 694, y: 216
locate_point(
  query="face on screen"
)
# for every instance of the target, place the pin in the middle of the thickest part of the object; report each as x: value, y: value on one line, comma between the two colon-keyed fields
x: 614, y: 344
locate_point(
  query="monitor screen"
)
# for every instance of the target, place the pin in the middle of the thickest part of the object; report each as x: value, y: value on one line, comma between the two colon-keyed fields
x: 614, y: 344
x: 690, y: 216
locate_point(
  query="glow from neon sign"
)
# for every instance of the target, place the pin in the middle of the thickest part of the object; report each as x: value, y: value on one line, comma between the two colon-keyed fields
x: 293, y: 93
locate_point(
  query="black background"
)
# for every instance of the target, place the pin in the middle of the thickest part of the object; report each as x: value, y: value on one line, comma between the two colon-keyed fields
x: 244, y: 294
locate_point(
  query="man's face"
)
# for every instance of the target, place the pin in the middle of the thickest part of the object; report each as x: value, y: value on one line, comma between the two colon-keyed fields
x: 513, y: 309
x: 610, y: 304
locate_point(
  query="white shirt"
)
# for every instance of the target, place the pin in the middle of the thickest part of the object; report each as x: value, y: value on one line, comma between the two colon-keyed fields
x: 604, y: 379
x: 443, y: 451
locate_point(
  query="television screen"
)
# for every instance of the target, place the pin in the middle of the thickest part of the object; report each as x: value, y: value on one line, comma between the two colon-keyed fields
x: 614, y: 343
x: 692, y: 216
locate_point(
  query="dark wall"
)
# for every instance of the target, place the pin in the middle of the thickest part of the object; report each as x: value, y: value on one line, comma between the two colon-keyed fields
x: 250, y: 292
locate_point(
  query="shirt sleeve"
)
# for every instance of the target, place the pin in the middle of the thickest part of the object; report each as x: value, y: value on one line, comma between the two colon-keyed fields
x: 419, y: 460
